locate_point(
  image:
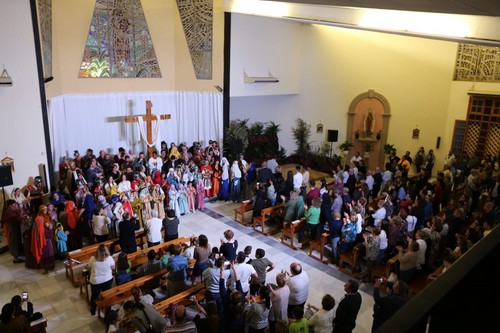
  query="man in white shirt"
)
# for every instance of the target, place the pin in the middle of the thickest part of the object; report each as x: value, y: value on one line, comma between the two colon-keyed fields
x: 369, y: 180
x: 245, y: 273
x: 386, y: 176
x: 298, y: 282
x: 356, y: 158
x: 155, y: 162
x: 297, y: 179
x: 272, y: 164
x: 153, y: 229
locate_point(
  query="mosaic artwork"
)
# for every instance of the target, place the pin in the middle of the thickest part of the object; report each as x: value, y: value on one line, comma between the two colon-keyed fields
x: 119, y: 44
x: 197, y: 22
x: 477, y: 63
x: 45, y: 26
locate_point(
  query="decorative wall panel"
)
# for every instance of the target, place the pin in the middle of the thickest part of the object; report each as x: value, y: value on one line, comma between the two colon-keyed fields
x: 197, y: 22
x: 45, y: 27
x: 119, y: 44
x: 477, y: 63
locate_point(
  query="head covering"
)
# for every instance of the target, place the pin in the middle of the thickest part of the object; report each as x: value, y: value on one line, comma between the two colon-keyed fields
x: 72, y: 214
x: 38, y: 238
x: 114, y: 198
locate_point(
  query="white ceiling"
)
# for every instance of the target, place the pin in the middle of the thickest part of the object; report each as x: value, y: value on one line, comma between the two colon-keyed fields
x: 468, y: 7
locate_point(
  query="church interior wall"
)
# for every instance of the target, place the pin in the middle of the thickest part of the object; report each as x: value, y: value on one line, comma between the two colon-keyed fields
x: 21, y: 133
x: 336, y: 65
x: 71, y: 21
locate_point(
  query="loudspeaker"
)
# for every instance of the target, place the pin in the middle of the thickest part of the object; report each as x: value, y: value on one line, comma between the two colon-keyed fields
x: 438, y: 142
x: 5, y: 176
x: 333, y: 135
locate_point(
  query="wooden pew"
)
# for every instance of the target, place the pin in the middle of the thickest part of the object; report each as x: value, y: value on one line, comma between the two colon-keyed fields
x: 287, y: 233
x: 266, y: 213
x: 38, y: 326
x: 384, y: 270
x: 120, y: 293
x: 140, y: 257
x: 198, y: 290
x: 349, y: 258
x: 421, y: 281
x: 245, y: 206
x: 319, y: 245
x: 80, y: 257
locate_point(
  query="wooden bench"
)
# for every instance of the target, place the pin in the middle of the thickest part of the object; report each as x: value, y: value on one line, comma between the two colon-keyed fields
x: 118, y: 294
x: 259, y: 222
x: 38, y: 326
x: 80, y: 257
x: 287, y: 233
x: 140, y: 257
x: 319, y: 246
x: 421, y: 281
x: 245, y: 206
x: 181, y: 298
x: 349, y: 258
x: 382, y: 270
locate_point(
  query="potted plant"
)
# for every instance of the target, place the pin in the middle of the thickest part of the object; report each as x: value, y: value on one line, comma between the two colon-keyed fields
x: 237, y: 137
x: 368, y: 148
x: 345, y: 146
x: 301, y: 133
x: 389, y: 149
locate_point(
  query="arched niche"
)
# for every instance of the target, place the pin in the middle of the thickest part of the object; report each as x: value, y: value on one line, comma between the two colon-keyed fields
x: 368, y: 116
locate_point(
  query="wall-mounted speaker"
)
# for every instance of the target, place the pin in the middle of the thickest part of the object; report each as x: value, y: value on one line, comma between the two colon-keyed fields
x: 438, y: 142
x: 333, y: 135
x: 5, y: 176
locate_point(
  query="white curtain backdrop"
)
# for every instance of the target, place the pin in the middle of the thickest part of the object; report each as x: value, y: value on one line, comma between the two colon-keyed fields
x: 96, y: 121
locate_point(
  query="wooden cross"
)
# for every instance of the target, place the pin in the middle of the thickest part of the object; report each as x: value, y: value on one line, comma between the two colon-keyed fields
x: 148, y: 118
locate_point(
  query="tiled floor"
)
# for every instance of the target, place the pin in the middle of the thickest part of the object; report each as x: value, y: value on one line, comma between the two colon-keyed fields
x: 60, y: 302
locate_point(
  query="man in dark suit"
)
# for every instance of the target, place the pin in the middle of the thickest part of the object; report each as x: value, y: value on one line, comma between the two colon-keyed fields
x: 127, y: 229
x: 264, y: 174
x: 347, y: 312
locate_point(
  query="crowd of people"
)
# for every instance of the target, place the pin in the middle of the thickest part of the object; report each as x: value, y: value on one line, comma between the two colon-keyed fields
x: 238, y: 293
x: 426, y: 221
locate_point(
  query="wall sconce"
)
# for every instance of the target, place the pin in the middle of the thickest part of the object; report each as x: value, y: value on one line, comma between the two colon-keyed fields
x: 5, y: 79
x: 259, y: 79
x: 379, y: 135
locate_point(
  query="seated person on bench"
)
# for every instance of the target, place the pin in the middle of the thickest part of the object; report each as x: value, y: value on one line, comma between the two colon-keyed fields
x: 312, y: 214
x: 152, y: 266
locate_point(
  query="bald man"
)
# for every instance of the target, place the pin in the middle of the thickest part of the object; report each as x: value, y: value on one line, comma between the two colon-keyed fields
x: 298, y: 282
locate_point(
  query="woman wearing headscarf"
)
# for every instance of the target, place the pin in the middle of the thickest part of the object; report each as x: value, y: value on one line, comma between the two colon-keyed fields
x: 72, y: 217
x: 41, y: 244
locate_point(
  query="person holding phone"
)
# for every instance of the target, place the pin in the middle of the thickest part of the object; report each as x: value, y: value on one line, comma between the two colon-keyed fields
x: 23, y: 307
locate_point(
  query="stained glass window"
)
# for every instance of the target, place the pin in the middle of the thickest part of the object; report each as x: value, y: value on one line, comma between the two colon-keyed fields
x: 119, y: 44
x: 197, y: 22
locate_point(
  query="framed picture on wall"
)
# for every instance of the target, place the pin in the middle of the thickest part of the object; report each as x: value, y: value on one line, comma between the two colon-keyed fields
x: 9, y: 161
x: 319, y: 128
x: 416, y: 133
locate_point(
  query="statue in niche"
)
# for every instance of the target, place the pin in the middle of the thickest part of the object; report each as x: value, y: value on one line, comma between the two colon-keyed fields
x: 369, y: 123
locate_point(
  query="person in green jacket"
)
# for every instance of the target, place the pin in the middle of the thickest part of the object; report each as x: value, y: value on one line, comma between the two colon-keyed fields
x: 312, y: 215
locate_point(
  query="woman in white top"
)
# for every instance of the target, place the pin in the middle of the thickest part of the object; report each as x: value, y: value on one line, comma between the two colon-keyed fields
x: 100, y: 225
x: 101, y: 267
x: 125, y: 187
x: 322, y: 320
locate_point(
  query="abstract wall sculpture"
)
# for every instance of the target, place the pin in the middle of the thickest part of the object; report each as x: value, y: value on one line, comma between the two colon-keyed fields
x: 45, y: 27
x: 197, y: 22
x: 477, y: 63
x: 119, y: 44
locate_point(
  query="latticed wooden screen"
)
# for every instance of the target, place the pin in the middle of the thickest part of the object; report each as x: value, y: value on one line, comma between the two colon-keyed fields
x: 482, y: 131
